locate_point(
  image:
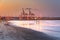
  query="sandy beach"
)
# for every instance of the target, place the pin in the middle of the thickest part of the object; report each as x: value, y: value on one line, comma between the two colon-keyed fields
x: 10, y: 32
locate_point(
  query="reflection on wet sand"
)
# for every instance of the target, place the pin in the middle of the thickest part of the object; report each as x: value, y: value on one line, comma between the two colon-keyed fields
x: 11, y: 32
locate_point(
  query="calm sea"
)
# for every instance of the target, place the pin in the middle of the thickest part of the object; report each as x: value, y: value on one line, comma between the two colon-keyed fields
x: 50, y: 27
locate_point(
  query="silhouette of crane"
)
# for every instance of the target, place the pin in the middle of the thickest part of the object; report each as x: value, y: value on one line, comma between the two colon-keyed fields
x: 30, y: 13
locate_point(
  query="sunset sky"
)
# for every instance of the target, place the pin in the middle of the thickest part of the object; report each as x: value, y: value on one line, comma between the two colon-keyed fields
x: 45, y: 7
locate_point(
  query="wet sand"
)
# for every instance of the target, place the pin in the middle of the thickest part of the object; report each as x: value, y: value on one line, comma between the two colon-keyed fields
x: 10, y: 32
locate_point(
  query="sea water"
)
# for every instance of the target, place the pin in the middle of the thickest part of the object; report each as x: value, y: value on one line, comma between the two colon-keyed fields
x: 50, y: 27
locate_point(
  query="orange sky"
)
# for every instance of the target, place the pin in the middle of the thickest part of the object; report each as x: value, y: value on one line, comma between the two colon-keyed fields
x: 46, y: 7
x: 10, y: 7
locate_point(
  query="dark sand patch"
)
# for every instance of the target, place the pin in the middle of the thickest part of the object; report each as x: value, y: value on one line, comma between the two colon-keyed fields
x: 28, y: 34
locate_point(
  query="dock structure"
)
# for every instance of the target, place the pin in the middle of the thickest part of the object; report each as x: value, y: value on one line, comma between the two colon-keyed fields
x: 28, y: 16
x: 32, y: 16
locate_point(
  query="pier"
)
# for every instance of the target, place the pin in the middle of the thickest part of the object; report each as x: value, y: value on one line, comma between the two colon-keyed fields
x: 28, y: 16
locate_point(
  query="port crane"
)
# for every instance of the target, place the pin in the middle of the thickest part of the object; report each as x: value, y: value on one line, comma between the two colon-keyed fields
x: 28, y: 16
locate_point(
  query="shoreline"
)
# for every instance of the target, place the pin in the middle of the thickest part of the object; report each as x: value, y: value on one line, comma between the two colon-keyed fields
x: 10, y: 32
